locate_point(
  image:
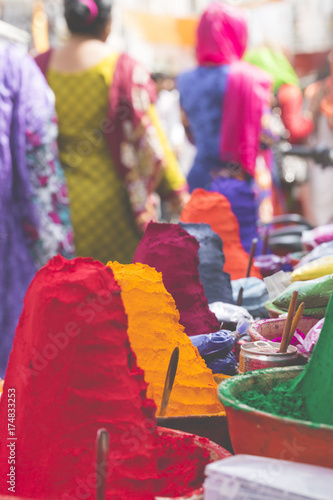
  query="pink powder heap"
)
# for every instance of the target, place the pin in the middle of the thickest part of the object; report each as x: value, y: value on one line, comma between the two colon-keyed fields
x: 173, y: 252
x: 74, y: 372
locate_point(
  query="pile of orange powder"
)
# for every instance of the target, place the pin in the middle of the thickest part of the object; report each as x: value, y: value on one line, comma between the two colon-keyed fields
x: 154, y: 331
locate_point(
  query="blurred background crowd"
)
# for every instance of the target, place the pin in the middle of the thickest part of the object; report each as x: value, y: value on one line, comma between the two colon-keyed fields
x: 162, y: 36
x: 140, y: 108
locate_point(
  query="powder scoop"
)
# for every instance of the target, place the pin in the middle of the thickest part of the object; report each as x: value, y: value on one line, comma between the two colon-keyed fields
x: 170, y: 378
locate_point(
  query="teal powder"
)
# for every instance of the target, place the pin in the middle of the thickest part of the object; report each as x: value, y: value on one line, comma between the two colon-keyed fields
x: 280, y: 401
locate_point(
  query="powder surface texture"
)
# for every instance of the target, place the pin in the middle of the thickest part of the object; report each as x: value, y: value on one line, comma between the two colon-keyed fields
x: 74, y: 372
x: 214, y: 209
x: 173, y: 252
x: 154, y: 331
x: 215, y: 281
x: 281, y: 401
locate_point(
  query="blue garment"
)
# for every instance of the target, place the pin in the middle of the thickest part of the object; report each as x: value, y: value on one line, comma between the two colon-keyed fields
x: 201, y: 97
x: 202, y: 92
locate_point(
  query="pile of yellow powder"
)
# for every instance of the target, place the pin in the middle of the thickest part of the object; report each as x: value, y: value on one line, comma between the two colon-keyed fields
x: 154, y: 331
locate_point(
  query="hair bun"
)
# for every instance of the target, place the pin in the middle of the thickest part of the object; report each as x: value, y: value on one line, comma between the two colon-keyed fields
x: 82, y: 11
x: 87, y: 16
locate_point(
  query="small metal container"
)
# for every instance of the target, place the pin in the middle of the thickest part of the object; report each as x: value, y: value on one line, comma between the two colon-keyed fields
x: 259, y: 355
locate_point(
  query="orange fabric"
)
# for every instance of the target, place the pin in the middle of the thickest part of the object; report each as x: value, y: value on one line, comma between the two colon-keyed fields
x: 215, y: 209
x: 291, y: 102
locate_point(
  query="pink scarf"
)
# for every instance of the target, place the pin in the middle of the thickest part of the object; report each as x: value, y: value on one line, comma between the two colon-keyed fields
x: 221, y: 39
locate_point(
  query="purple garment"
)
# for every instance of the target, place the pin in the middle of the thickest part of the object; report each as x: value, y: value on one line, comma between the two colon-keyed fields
x: 26, y: 106
x: 244, y: 206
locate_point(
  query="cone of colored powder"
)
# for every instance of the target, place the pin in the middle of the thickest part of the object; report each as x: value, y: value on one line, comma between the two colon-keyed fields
x: 73, y: 372
x: 154, y: 331
x: 214, y: 209
x: 315, y: 383
x: 173, y: 252
x: 215, y: 281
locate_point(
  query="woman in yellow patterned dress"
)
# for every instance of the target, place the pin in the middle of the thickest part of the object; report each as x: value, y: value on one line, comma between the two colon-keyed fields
x: 112, y: 148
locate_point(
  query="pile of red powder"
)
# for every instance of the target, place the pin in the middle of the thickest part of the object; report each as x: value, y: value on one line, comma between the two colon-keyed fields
x: 174, y: 252
x: 73, y: 372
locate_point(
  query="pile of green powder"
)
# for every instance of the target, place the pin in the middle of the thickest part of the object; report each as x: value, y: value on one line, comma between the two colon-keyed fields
x: 282, y: 401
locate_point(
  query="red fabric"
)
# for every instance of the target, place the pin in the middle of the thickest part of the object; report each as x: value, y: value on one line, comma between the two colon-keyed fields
x: 122, y: 109
x: 43, y: 61
x: 291, y: 103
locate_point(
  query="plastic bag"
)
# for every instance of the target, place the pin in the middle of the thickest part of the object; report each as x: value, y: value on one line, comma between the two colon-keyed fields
x: 228, y: 313
x: 315, y: 269
x: 227, y: 365
x: 218, y: 343
x: 322, y: 250
x: 269, y: 264
x: 277, y: 283
x: 242, y: 328
x: 316, y: 236
x: 295, y: 340
x: 254, y: 295
x: 307, y: 344
x: 314, y: 293
x: 311, y: 312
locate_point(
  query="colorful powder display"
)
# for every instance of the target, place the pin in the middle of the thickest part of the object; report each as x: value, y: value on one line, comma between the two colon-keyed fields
x: 214, y: 209
x: 74, y: 372
x: 154, y: 331
x: 173, y: 252
x: 215, y: 281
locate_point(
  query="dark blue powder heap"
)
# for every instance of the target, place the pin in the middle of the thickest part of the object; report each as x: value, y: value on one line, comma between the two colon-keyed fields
x: 215, y: 281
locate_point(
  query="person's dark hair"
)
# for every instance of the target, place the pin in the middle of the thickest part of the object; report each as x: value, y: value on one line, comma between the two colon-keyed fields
x: 158, y: 77
x: 87, y: 16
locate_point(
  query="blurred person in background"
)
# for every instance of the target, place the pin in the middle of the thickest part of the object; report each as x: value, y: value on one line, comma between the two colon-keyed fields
x: 168, y: 109
x: 319, y: 97
x: 287, y: 90
x: 226, y: 111
x: 112, y: 147
x: 298, y: 126
x: 34, y: 210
